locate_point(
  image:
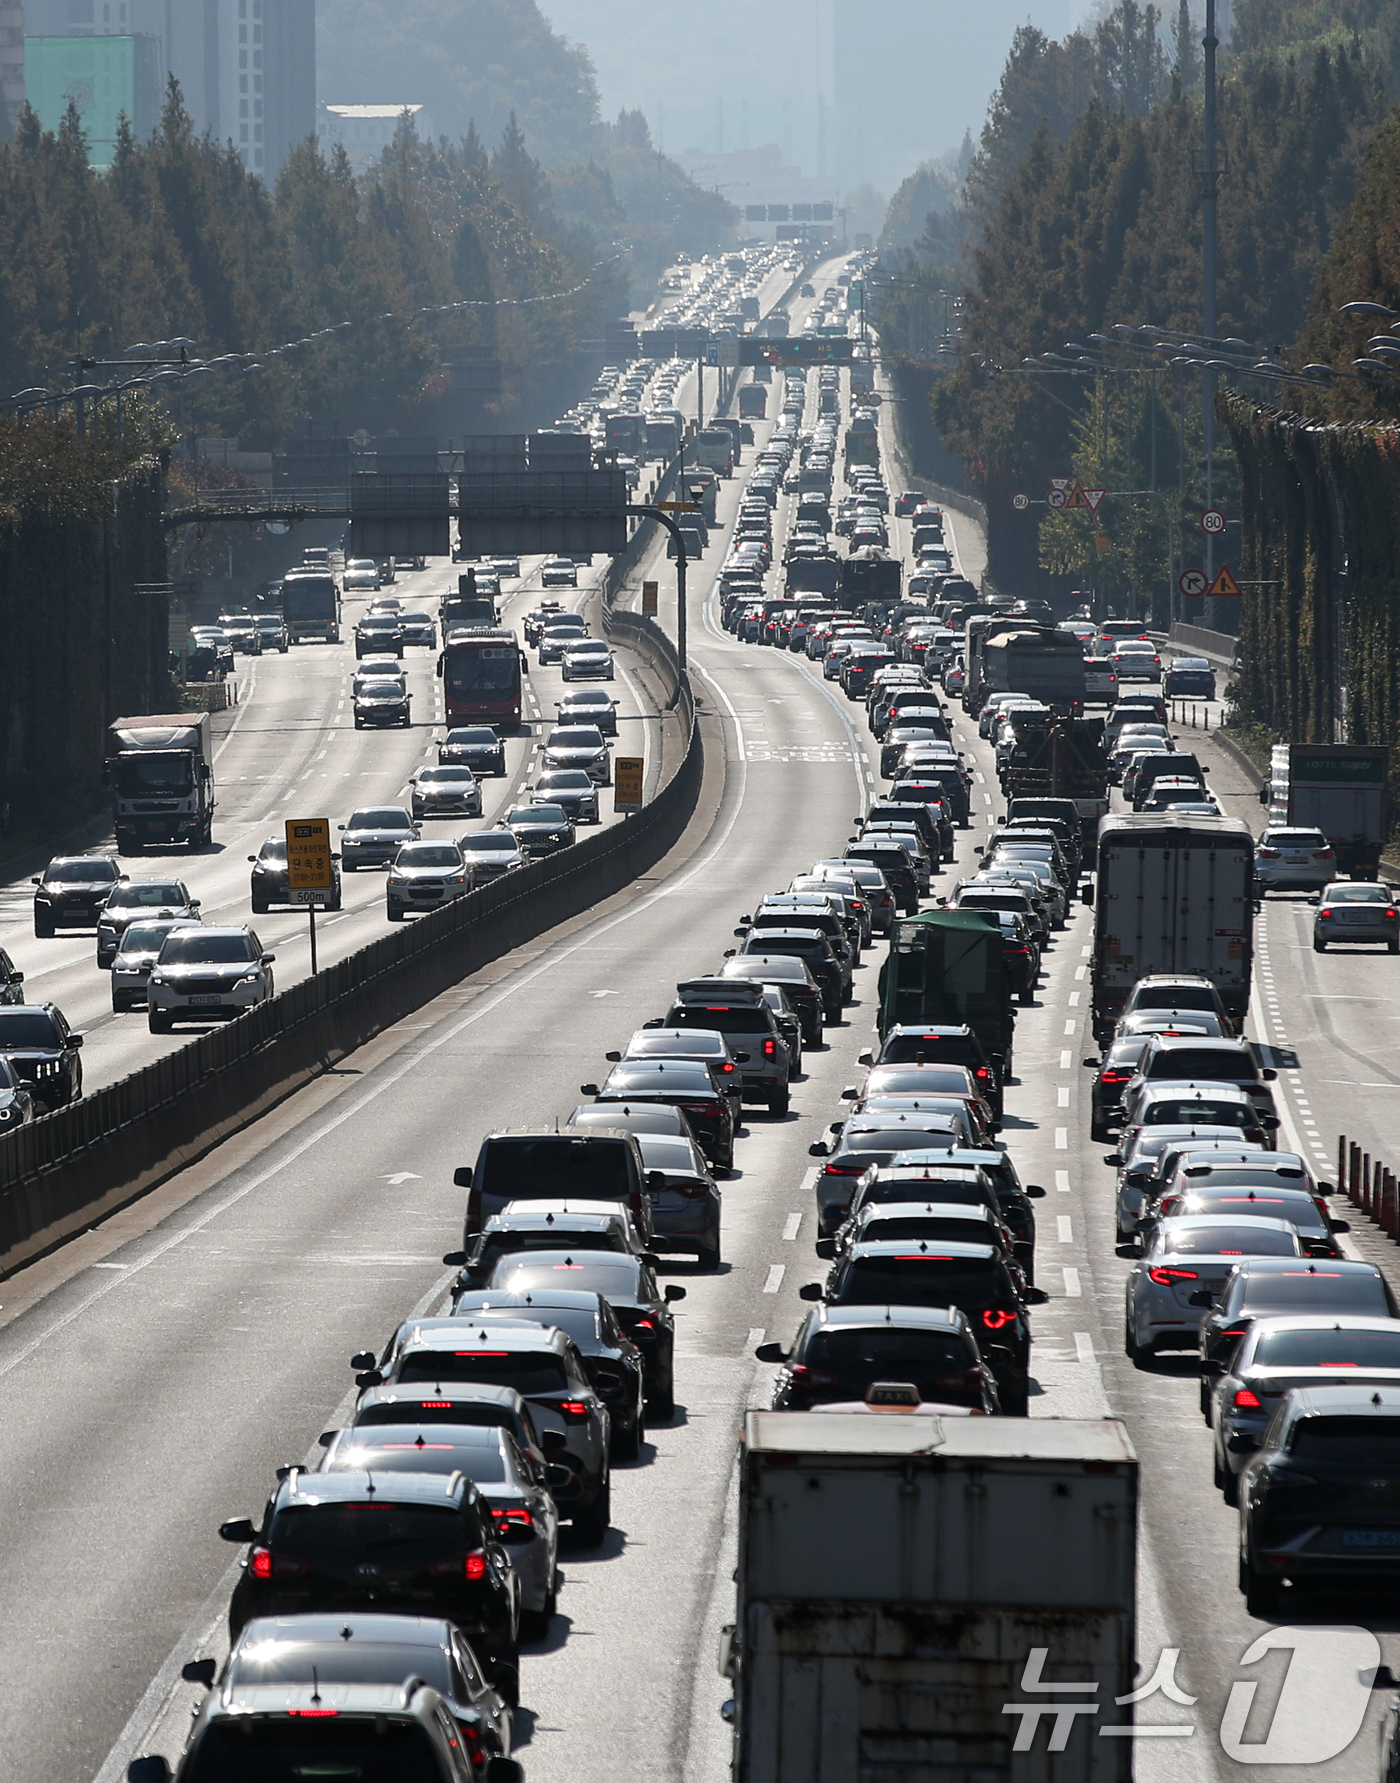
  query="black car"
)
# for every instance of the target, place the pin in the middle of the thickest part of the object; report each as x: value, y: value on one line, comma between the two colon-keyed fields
x: 866, y: 1142
x: 630, y: 1288
x: 1320, y: 1502
x: 613, y: 1361
x: 539, y: 829
x: 43, y: 1053
x: 72, y: 891
x: 973, y: 1277
x: 11, y: 980
x: 379, y: 634
x: 474, y: 746
x: 268, y: 880
x: 1013, y: 1197
x: 588, y: 705
x: 1283, y: 1287
x: 794, y: 978
x: 1192, y: 676
x: 895, y: 863
x: 814, y: 949
x: 453, y: 1403
x: 949, y: 782
x: 686, y: 1084
x: 409, y: 1543
x: 1111, y: 1075
x: 840, y: 1351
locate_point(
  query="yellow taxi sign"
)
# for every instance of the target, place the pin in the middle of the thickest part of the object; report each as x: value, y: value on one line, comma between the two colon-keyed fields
x: 309, y: 865
x: 627, y: 783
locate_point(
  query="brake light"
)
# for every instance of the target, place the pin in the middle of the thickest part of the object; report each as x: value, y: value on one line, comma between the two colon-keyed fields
x: 313, y: 1714
x: 697, y: 1107
x: 643, y: 1325
x: 1269, y: 854
x: 1322, y: 854
x: 573, y: 1408
x: 995, y: 1320
x: 1325, y: 915
x: 770, y: 1048
x: 264, y: 1564
x: 1114, y: 1076
x: 481, y: 1352
x: 727, y: 1065
x: 518, y: 1514
x: 844, y: 1170
x: 1247, y: 1399
x: 434, y: 1405
x: 1390, y: 916
x: 982, y: 1071
x: 260, y: 1565
x: 475, y: 1567
x: 1164, y: 1277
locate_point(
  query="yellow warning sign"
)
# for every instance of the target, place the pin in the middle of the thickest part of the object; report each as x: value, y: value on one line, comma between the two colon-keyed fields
x: 1224, y: 583
x: 627, y: 783
x: 649, y: 593
x: 309, y: 870
x: 1076, y: 497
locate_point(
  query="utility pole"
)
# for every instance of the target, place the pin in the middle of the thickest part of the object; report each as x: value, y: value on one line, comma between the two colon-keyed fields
x: 1210, y: 182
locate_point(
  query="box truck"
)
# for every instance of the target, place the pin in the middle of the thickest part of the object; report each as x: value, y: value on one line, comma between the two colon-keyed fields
x: 161, y: 772
x: 1338, y: 788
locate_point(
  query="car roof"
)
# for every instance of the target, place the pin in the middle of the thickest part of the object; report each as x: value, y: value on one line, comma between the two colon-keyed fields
x: 465, y: 1392
x: 310, y: 1627
x: 936, y: 1318
x: 1324, y: 1321
x: 520, y: 1214
x: 490, y: 1300
x: 308, y: 1489
x: 1346, y: 1268
x: 894, y: 1210
x: 1363, y: 1399
x: 437, y: 1334
x: 1192, y: 1222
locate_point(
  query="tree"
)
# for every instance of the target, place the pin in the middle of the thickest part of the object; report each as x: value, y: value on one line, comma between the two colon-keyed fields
x: 1186, y: 63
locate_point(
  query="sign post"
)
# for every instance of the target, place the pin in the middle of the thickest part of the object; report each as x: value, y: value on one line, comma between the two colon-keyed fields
x: 649, y: 599
x: 627, y: 783
x: 310, y: 869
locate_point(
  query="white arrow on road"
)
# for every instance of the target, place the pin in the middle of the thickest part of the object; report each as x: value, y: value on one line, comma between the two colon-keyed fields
x: 605, y: 993
x: 402, y: 1176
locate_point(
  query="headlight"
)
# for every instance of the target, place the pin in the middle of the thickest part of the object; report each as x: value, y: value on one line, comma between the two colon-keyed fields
x: 250, y: 978
x: 157, y: 978
x: 125, y: 971
x: 7, y: 1112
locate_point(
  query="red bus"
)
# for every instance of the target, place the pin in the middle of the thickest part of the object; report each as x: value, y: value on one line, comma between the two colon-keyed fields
x: 480, y: 669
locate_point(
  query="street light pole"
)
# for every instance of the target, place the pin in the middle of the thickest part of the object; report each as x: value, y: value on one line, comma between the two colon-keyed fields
x: 1210, y: 181
x: 647, y: 511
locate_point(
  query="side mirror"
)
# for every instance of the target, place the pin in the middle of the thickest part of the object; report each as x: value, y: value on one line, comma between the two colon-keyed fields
x: 613, y: 1058
x: 655, y: 1022
x: 1269, y: 1076
x: 810, y: 1291
x: 237, y: 1529
x: 200, y: 1671
x: 826, y: 1248
x: 1327, y: 1188
x: 517, y: 1535
x: 370, y: 1378
x: 589, y: 1089
x: 1269, y: 1120
x: 746, y: 919
x: 266, y: 959
x: 1036, y: 1297
x: 326, y: 1438
x: 674, y: 1291
x: 819, y: 1149
x: 455, y: 1259
x: 253, y: 858
x: 35, y: 880
x: 729, y: 952
x: 850, y: 1093
x: 1137, y: 1179
x: 1034, y: 1191
x: 1086, y: 892
x: 554, y: 1442
x: 340, y: 826
x: 1339, y: 1225
x: 75, y: 1040
x: 363, y: 1359
x: 741, y: 933
x: 462, y: 1176
x: 771, y: 1352
x: 149, y: 1770
x: 655, y: 1181
x: 16, y: 978
x: 1263, y: 795
x: 1112, y: 1158
x: 1091, y: 1064
x: 866, y: 1056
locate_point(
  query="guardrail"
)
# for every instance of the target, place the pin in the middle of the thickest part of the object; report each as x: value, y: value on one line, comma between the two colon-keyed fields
x: 68, y: 1169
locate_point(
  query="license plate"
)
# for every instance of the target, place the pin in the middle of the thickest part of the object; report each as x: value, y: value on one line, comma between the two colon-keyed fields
x: 203, y: 1002
x: 1371, y: 1538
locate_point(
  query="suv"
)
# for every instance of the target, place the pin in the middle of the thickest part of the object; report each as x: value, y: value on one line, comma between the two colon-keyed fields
x: 212, y: 974
x: 833, y: 975
x: 909, y: 1043
x: 347, y: 1541
x: 268, y: 880
x: 373, y: 836
x: 524, y: 1164
x: 544, y: 1366
x: 738, y: 1009
x: 841, y: 1351
x: 72, y: 891
x: 474, y: 746
x: 134, y: 901
x: 42, y: 1051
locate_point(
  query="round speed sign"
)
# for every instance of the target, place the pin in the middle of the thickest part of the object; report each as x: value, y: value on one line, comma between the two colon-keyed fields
x: 1020, y: 501
x: 1213, y: 522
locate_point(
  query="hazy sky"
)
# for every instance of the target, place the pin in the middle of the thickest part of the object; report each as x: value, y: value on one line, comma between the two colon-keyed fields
x: 872, y: 86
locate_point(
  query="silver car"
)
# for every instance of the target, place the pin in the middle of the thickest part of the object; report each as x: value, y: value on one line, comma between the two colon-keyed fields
x: 1172, y: 1286
x: 557, y: 634
x: 491, y: 853
x: 424, y: 876
x: 588, y: 660
x: 373, y: 836
x: 512, y: 1483
x: 1351, y: 910
x: 579, y: 746
x: 205, y: 974
x: 450, y: 791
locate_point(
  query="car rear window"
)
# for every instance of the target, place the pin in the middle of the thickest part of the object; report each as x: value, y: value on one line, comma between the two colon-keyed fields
x: 387, y: 817
x: 1336, y: 1348
x: 1248, y: 1239
x: 890, y: 1353
x: 1175, y: 996
x: 1202, y: 1111
x: 1348, y: 1442
x: 921, y: 1281
x: 555, y: 1166
x: 1224, y: 1066
x: 528, y: 1371
x: 724, y: 1021
x: 930, y: 1226
x: 349, y: 1749
x: 333, y: 1535
x: 815, y: 949
x: 933, y: 1048
x: 676, y: 1075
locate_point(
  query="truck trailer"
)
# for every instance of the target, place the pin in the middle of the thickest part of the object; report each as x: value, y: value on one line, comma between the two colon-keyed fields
x: 922, y: 1596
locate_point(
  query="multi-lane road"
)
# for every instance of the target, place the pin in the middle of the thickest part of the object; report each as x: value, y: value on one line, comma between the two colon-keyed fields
x: 153, y: 1374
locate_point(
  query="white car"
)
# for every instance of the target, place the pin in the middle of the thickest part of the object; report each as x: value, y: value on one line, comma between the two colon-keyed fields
x: 588, y: 660
x: 446, y: 790
x: 424, y: 875
x: 1355, y: 910
x: 1172, y: 1286
x: 559, y: 572
x: 361, y: 573
x: 207, y: 974
x: 1293, y: 860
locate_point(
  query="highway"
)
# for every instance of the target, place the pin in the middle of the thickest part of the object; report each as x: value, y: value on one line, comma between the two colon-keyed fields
x: 154, y: 1373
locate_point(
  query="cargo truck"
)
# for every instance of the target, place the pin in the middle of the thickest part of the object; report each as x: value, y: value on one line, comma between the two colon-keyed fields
x: 1338, y: 788
x: 870, y: 575
x: 1172, y: 894
x: 311, y: 606
x: 161, y: 772
x: 1043, y: 664
x: 714, y: 446
x: 947, y: 967
x: 921, y: 1596
x: 1061, y: 758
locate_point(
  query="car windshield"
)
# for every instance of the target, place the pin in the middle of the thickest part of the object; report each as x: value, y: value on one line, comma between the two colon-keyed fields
x: 447, y: 777
x: 538, y: 814
x: 528, y: 1371
x: 406, y: 1449
x: 489, y: 842
x: 24, y: 1028
x: 575, y: 736
x: 352, y: 1749
x: 388, y: 817
x: 476, y: 733
x: 1356, y: 894
x: 144, y: 937
x: 274, y: 849
x: 564, y: 779
x: 428, y: 854
x: 1348, y: 1442
x: 150, y: 897
x: 1248, y: 1239
x: 381, y: 690
x: 197, y: 947
x: 80, y: 873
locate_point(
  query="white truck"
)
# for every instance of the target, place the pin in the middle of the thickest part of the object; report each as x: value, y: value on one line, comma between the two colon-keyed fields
x: 161, y: 771
x: 1338, y: 788
x: 1173, y: 894
x: 924, y: 1596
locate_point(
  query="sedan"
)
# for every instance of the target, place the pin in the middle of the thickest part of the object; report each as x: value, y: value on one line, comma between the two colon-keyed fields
x: 578, y: 746
x: 450, y: 791
x: 382, y: 703
x: 588, y: 660
x: 136, y: 901
x: 361, y: 573
x: 559, y: 572
x: 685, y: 1211
x: 269, y: 878
x: 1134, y: 661
x: 509, y: 1482
x: 135, y: 960
x: 1186, y: 1262
x: 540, y: 829
x: 557, y: 634
x: 589, y: 705
x: 374, y: 835
x: 1350, y: 910
x: 572, y: 790
x: 424, y: 876
x: 491, y: 853
x: 628, y: 1284
x: 419, y: 628
x: 1189, y: 676
x: 867, y: 1141
x: 474, y: 746
x: 1275, y: 1356
x: 687, y: 1085
x: 379, y: 633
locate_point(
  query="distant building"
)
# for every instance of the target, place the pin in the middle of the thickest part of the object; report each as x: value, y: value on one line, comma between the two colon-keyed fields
x: 246, y: 68
x: 365, y: 131
x: 11, y: 66
x: 107, y: 78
